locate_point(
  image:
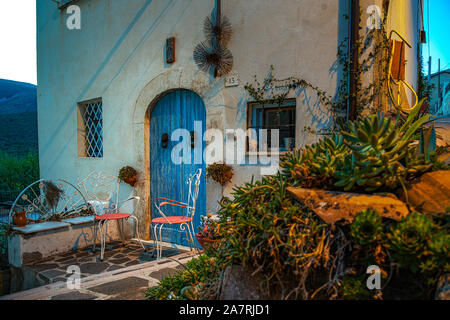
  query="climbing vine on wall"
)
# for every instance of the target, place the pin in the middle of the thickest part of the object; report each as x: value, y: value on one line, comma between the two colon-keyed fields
x: 370, y: 94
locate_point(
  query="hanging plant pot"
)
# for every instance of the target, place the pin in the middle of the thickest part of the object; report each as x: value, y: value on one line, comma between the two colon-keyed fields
x: 206, y: 242
x: 131, y: 180
x: 220, y: 172
x: 128, y: 175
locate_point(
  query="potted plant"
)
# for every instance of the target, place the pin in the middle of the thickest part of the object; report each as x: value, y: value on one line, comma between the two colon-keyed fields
x: 207, y: 236
x: 220, y: 172
x: 128, y: 175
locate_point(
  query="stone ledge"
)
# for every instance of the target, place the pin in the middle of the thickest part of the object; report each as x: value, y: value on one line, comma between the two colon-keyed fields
x: 40, y: 227
x: 53, y: 225
x: 80, y: 220
x: 49, y: 238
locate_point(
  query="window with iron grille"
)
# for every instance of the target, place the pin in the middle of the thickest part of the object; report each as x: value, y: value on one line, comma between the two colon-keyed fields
x: 272, y: 116
x: 90, y: 129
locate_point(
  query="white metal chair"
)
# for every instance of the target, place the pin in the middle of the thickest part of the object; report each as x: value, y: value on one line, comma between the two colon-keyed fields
x: 100, y: 189
x: 185, y: 221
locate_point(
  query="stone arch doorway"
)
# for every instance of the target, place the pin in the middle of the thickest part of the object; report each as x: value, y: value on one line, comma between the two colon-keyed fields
x: 147, y: 99
x: 174, y: 110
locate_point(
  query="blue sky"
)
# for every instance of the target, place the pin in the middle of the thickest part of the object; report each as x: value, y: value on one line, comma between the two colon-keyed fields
x: 438, y: 36
x: 18, y: 36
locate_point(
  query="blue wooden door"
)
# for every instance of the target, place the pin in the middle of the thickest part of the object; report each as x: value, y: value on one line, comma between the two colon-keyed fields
x: 180, y: 109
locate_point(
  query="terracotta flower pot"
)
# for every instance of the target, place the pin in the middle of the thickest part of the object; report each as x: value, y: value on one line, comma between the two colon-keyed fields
x: 206, y: 242
x: 131, y: 180
x: 229, y: 174
x: 20, y: 219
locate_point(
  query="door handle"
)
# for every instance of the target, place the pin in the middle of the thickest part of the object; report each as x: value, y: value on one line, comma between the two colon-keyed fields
x: 164, y: 140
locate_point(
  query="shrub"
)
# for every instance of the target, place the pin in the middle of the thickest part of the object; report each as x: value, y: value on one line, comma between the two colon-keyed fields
x: 185, y: 284
x: 16, y: 173
x: 281, y: 241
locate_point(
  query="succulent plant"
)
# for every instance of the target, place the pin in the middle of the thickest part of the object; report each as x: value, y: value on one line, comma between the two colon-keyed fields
x: 374, y: 153
x: 367, y: 227
x: 438, y: 252
x: 316, y: 165
x: 381, y: 154
x: 407, y: 239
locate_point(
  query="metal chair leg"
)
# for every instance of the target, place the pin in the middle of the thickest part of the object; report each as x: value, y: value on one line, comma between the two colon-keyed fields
x: 103, y: 232
x: 156, y: 241
x: 188, y: 238
x: 160, y: 240
x: 95, y: 237
x: 192, y: 236
x: 191, y: 239
x: 137, y: 231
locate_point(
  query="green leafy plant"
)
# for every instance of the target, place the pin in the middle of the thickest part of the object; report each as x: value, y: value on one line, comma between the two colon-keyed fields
x: 265, y: 231
x: 16, y: 173
x: 315, y: 165
x: 418, y: 243
x: 367, y: 227
x: 186, y: 283
x: 374, y: 154
x: 381, y: 154
x: 354, y: 288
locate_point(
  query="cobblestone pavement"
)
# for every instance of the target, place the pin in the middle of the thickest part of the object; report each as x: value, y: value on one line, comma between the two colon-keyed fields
x: 126, y: 283
x: 117, y: 256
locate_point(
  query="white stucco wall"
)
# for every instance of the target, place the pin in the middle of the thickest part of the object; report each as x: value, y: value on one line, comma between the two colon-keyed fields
x: 118, y: 55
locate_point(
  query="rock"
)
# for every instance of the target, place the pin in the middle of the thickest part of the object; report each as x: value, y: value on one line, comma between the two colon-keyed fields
x: 239, y: 284
x: 443, y: 288
x: 445, y: 158
x: 333, y: 206
x: 430, y: 193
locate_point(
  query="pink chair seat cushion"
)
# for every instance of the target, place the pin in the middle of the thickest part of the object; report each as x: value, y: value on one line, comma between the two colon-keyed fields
x: 112, y: 216
x: 172, y: 219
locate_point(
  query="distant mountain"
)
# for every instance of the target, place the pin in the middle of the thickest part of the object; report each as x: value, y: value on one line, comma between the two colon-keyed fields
x: 18, y: 117
x: 17, y: 97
